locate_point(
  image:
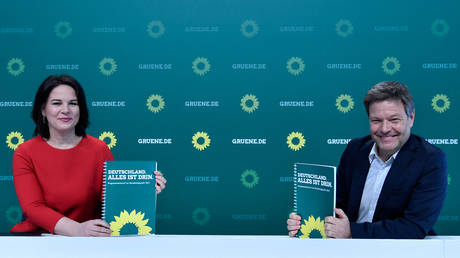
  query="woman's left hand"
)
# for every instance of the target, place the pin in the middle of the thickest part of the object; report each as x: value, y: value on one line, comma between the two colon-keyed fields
x: 160, y: 181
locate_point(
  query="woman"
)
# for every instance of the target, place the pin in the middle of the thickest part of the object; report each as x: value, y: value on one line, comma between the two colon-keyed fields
x: 58, y: 174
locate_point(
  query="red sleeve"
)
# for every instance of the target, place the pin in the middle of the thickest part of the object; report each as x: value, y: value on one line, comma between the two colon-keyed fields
x: 108, y: 154
x: 30, y: 194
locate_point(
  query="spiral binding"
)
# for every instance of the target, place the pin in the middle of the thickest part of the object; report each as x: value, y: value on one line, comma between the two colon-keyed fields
x: 295, y: 187
x: 104, y: 180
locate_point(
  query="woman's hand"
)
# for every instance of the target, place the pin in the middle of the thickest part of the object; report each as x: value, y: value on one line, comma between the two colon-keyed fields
x: 160, y: 181
x: 69, y: 227
x: 95, y: 227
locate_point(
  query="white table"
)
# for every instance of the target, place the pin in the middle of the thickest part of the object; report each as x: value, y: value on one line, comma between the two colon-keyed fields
x: 225, y: 246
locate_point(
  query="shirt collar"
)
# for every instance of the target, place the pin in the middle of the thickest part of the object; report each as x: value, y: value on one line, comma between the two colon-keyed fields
x: 373, y: 155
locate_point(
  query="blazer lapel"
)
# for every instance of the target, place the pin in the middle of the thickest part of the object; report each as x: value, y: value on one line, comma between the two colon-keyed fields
x: 359, y: 179
x: 400, y: 164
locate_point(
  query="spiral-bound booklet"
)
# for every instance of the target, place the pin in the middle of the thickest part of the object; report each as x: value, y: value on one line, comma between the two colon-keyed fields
x: 129, y: 197
x: 314, y: 197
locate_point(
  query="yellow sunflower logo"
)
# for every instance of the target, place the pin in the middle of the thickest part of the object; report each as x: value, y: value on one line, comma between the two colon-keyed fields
x: 344, y: 28
x: 312, y: 224
x: 440, y: 28
x: 440, y: 103
x: 15, y: 66
x: 62, y: 29
x: 249, y: 178
x: 201, y: 66
x: 295, y: 65
x: 249, y: 28
x: 135, y: 218
x: 107, y: 66
x: 201, y: 216
x: 111, y: 137
x: 14, y: 139
x: 13, y: 214
x: 204, y: 138
x: 155, y: 29
x: 344, y: 103
x: 155, y: 103
x: 299, y: 138
x: 390, y: 65
x: 249, y: 103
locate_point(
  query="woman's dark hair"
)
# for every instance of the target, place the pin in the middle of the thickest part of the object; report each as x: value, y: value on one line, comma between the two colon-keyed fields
x: 41, y: 97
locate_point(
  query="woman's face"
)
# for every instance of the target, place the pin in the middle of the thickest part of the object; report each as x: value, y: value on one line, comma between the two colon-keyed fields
x: 61, y: 110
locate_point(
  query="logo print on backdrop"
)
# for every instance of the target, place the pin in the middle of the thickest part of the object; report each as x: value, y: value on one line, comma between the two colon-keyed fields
x: 295, y: 65
x: 249, y: 178
x: 204, y: 138
x: 201, y: 216
x: 389, y: 62
x: 14, y: 139
x: 440, y: 28
x: 299, y: 138
x: 307, y: 227
x: 155, y: 103
x: 344, y: 103
x: 15, y: 66
x: 62, y: 29
x: 107, y: 66
x: 344, y: 28
x: 249, y: 28
x: 155, y: 29
x: 111, y: 137
x: 13, y: 214
x: 252, y: 105
x: 137, y: 219
x: 201, y: 66
x: 440, y: 103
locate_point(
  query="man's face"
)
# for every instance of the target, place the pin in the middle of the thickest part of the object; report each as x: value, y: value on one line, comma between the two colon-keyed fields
x: 390, y: 126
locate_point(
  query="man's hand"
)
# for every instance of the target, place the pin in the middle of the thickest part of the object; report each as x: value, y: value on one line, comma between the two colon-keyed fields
x: 293, y: 224
x: 337, y: 227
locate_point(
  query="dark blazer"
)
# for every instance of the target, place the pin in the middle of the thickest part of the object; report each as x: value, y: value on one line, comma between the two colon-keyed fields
x: 412, y: 194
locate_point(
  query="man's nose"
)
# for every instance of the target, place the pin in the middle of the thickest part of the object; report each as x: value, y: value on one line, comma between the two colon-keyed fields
x: 386, y: 126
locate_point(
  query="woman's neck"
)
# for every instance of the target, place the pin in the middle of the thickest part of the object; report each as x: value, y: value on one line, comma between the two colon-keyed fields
x: 63, y: 141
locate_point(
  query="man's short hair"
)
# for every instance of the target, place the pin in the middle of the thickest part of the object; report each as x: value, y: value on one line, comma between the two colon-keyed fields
x: 390, y: 90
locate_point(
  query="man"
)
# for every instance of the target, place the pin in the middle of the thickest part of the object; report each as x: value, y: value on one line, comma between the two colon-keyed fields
x: 391, y: 184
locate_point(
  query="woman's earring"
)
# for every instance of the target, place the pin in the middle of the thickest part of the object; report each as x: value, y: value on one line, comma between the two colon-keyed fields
x: 44, y: 119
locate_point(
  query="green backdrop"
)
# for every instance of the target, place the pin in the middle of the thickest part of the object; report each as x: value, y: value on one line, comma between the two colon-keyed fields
x: 227, y: 95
